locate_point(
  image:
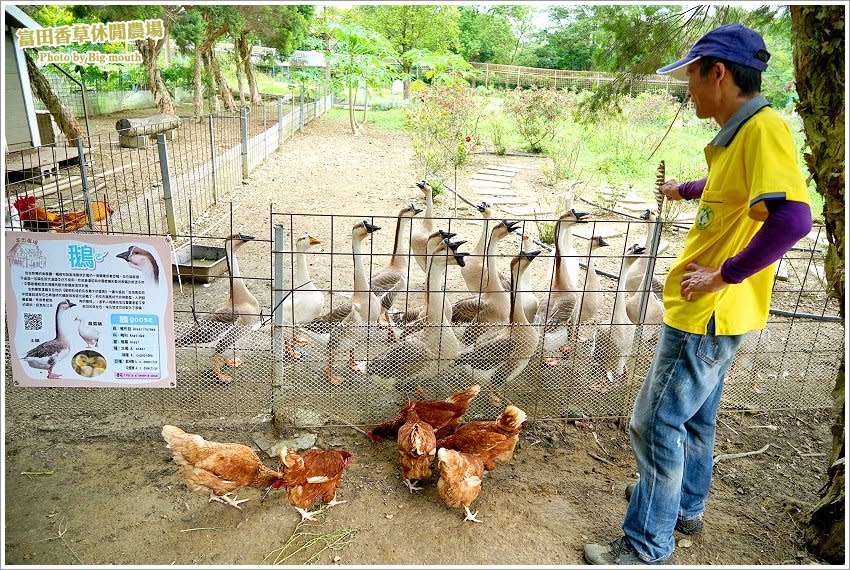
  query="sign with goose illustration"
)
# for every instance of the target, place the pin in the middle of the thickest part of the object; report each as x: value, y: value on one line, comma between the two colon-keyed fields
x: 90, y: 310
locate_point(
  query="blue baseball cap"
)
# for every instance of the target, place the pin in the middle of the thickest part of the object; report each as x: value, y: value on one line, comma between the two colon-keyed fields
x: 732, y: 42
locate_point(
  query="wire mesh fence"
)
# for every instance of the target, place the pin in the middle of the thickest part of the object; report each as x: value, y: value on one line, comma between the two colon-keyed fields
x: 326, y: 347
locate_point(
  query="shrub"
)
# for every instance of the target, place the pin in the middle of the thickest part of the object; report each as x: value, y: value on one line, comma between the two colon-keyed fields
x: 536, y: 112
x: 498, y: 129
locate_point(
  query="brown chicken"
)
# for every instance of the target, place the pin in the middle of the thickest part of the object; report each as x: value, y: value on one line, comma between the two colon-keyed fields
x: 443, y: 415
x: 417, y: 446
x: 311, y: 475
x: 492, y: 441
x: 72, y: 221
x: 460, y: 479
x: 219, y: 468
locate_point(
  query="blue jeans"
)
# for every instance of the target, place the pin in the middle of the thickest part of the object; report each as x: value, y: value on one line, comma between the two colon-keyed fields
x: 672, y: 436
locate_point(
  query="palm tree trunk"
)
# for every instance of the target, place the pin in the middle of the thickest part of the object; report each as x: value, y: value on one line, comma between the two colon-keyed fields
x: 818, y: 48
x: 66, y: 121
x: 150, y: 52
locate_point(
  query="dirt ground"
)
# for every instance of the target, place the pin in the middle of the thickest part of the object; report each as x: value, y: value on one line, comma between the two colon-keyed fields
x: 117, y: 498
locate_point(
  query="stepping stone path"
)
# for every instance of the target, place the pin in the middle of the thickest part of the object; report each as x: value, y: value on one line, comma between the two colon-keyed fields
x: 493, y: 184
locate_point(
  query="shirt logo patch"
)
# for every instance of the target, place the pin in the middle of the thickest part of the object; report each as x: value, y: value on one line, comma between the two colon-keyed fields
x: 704, y: 217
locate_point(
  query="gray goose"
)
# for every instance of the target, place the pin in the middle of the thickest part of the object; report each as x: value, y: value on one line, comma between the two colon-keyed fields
x: 231, y: 319
x: 47, y: 354
x: 505, y: 351
x: 419, y: 237
x: 434, y: 344
x: 635, y: 275
x: 558, y: 313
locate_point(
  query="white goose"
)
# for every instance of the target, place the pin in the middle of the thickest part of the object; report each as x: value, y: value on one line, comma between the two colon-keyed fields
x: 612, y: 343
x: 304, y: 302
x: 231, y: 319
x: 365, y: 307
x: 505, y: 351
x: 638, y: 269
x: 558, y: 312
x: 592, y: 296
x: 473, y: 272
x: 47, y: 354
x: 91, y: 335
x: 434, y: 344
x: 654, y: 306
x: 419, y: 237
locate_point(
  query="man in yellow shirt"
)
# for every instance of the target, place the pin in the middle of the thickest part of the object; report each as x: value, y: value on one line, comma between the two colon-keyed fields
x: 753, y: 207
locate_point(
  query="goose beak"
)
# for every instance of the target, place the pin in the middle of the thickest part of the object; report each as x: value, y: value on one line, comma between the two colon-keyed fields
x: 125, y: 255
x: 455, y: 244
x: 459, y: 257
x: 602, y: 241
x: 416, y: 210
x: 370, y: 227
x: 245, y: 237
x: 421, y: 185
x: 645, y: 215
x: 70, y: 304
x: 313, y: 241
x: 481, y: 207
x: 579, y: 216
x: 447, y: 235
x: 512, y: 226
x: 530, y: 255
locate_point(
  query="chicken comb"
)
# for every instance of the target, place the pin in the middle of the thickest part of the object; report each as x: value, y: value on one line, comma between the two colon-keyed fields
x: 25, y: 203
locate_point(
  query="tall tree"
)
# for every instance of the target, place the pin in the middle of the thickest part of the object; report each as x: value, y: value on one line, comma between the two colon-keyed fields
x: 149, y: 48
x: 411, y: 27
x: 484, y: 36
x: 818, y: 34
x: 65, y: 120
x: 283, y: 27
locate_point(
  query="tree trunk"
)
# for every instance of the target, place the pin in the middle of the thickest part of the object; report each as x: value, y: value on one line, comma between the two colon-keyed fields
x: 215, y: 103
x: 352, y: 121
x: 245, y: 53
x: 198, y: 93
x: 223, y: 88
x: 237, y: 58
x: 66, y: 122
x: 365, y: 102
x: 150, y: 52
x: 818, y: 47
x: 405, y: 69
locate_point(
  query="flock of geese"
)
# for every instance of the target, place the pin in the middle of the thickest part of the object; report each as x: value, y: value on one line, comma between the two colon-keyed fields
x: 497, y: 327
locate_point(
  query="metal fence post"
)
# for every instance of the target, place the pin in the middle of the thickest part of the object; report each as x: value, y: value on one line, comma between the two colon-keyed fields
x: 243, y: 124
x: 301, y: 109
x: 166, y: 184
x: 212, y: 161
x: 280, y: 135
x: 278, y: 285
x: 85, y: 180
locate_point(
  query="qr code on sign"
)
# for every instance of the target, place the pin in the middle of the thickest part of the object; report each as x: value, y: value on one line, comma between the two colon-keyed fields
x: 32, y: 321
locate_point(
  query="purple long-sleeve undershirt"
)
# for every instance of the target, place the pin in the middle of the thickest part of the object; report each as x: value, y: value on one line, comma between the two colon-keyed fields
x: 692, y: 190
x: 787, y: 222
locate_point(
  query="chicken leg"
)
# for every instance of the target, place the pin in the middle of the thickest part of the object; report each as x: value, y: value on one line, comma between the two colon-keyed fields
x: 218, y: 360
x: 410, y: 485
x: 227, y: 499
x: 470, y: 516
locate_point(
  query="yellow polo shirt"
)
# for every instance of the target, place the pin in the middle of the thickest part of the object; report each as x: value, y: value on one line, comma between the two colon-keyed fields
x: 752, y: 159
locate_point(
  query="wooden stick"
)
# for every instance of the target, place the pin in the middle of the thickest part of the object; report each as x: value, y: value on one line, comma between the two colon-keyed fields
x: 723, y: 456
